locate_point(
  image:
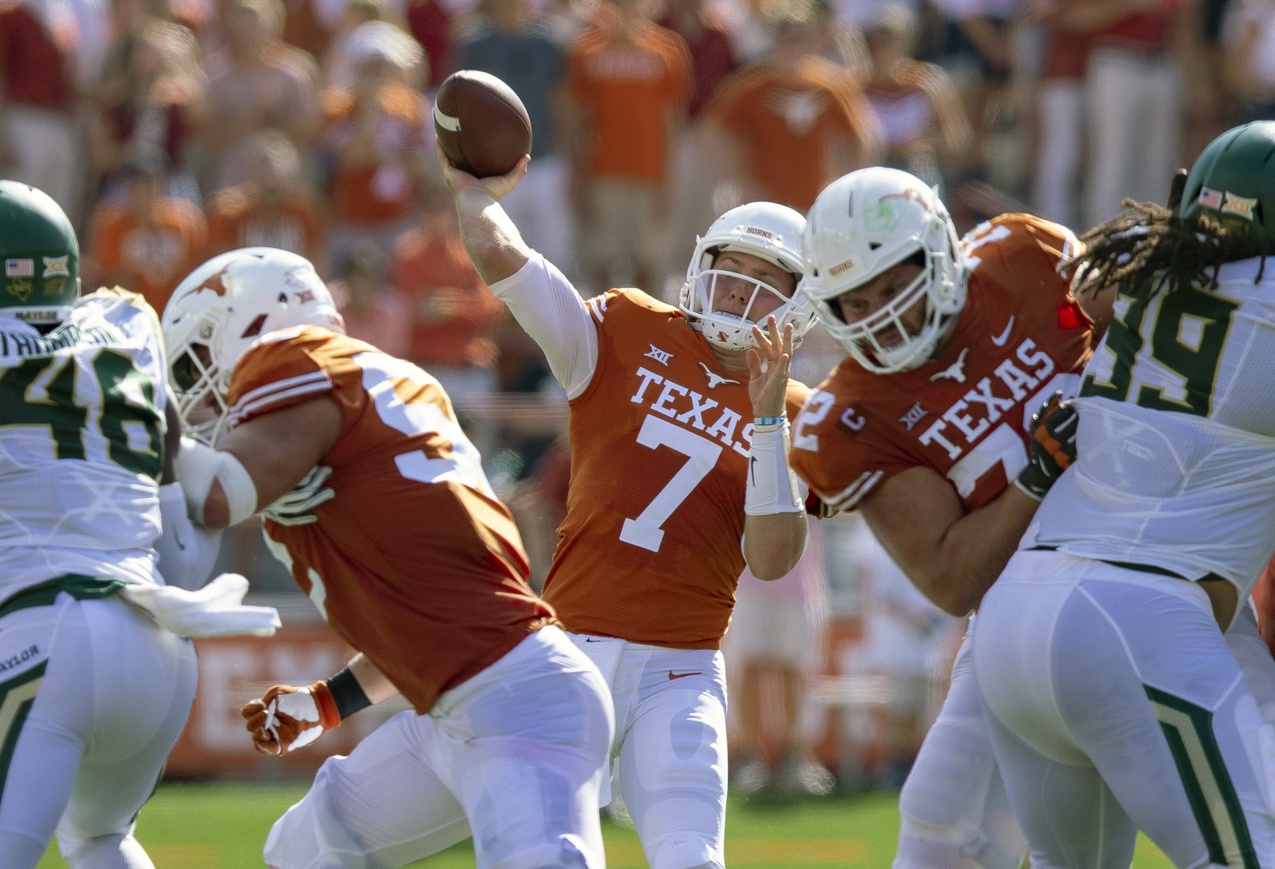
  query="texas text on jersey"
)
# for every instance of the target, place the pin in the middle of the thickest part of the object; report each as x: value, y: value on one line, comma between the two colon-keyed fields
x: 687, y: 424
x: 1020, y: 337
x: 411, y: 587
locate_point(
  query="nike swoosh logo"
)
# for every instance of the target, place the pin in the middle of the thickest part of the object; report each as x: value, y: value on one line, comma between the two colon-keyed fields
x: 672, y: 675
x: 1000, y: 339
x: 592, y: 640
x: 752, y: 469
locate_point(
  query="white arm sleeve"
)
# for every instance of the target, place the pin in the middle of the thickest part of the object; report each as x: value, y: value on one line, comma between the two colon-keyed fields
x: 551, y: 311
x: 187, y: 551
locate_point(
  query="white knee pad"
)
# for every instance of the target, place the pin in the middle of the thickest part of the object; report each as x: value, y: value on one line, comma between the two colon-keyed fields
x: 568, y: 853
x: 682, y: 850
x: 310, y: 835
x: 103, y: 852
x: 953, y: 808
x: 960, y: 846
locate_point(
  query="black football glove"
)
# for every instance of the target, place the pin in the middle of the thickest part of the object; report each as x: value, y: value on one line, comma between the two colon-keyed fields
x: 1053, y: 446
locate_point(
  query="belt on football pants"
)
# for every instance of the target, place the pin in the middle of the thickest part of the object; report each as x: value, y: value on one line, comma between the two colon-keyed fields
x: 1140, y: 568
x: 77, y: 586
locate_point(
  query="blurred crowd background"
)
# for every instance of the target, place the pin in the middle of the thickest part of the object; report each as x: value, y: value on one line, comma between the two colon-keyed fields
x: 172, y: 130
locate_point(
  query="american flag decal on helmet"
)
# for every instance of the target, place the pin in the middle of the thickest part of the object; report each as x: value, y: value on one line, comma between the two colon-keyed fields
x: 1210, y: 198
x: 19, y: 268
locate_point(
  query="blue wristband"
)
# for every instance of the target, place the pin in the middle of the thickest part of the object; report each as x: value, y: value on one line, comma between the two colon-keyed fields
x: 769, y: 420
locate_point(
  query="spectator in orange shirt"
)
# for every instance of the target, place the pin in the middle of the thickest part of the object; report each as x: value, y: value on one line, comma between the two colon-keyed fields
x: 785, y: 127
x: 628, y: 81
x: 454, y: 316
x: 275, y: 207
x: 146, y: 241
x: 377, y: 137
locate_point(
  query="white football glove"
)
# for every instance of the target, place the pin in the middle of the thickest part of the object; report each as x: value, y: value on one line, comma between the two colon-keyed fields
x: 288, y: 718
x: 296, y: 506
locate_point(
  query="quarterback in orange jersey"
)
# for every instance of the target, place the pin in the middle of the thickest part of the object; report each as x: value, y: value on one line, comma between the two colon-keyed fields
x: 679, y: 474
x: 953, y: 345
x: 377, y: 502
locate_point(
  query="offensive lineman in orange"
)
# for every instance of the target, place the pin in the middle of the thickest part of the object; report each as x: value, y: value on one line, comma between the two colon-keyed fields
x: 953, y: 346
x: 679, y: 475
x: 388, y: 523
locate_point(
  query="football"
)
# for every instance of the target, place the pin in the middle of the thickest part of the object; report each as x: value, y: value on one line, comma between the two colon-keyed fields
x: 481, y: 124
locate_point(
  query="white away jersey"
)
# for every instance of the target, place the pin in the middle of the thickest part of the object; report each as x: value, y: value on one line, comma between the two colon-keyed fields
x: 81, y: 435
x: 1176, y: 443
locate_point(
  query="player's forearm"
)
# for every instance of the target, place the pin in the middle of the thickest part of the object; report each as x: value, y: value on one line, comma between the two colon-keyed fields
x: 773, y: 543
x: 375, y: 684
x: 493, y: 242
x: 974, y: 551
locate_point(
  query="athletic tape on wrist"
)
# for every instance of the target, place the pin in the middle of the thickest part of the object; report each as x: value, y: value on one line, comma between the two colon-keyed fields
x: 198, y: 465
x: 771, y: 485
x: 347, y: 694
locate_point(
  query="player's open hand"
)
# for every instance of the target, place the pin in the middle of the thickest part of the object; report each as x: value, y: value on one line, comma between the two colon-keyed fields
x: 287, y: 718
x: 768, y: 364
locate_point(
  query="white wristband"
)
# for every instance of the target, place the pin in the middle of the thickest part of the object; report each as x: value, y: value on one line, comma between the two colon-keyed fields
x: 771, y: 485
x: 198, y: 465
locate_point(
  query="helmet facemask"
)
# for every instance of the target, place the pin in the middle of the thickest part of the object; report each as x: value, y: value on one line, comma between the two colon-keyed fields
x: 199, y: 382
x: 861, y: 227
x: 727, y: 331
x: 863, y: 339
x: 761, y: 229
x: 220, y: 310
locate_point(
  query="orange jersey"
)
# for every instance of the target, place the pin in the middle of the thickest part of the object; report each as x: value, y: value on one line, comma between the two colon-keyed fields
x: 788, y: 126
x: 149, y: 257
x: 237, y: 217
x: 414, y: 562
x: 1020, y: 337
x: 628, y: 87
x: 655, y: 559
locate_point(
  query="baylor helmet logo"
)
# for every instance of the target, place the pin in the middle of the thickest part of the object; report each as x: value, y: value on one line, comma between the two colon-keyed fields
x: 20, y: 289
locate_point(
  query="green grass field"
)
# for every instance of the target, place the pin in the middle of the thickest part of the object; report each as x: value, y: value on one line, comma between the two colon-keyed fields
x: 222, y: 826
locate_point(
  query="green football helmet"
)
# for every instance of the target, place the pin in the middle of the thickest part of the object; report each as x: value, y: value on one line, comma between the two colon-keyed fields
x: 1232, y: 184
x: 41, y: 277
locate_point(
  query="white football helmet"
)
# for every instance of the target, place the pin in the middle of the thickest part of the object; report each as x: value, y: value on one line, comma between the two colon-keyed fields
x: 220, y: 309
x: 763, y: 229
x: 863, y: 224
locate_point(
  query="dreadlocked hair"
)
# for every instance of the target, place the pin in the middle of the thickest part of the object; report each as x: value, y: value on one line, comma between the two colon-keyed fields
x: 1149, y: 247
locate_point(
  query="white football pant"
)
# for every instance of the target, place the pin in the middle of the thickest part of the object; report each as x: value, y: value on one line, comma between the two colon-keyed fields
x: 516, y: 754
x: 1115, y: 705
x: 953, y: 810
x: 670, y: 747
x: 92, y: 697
